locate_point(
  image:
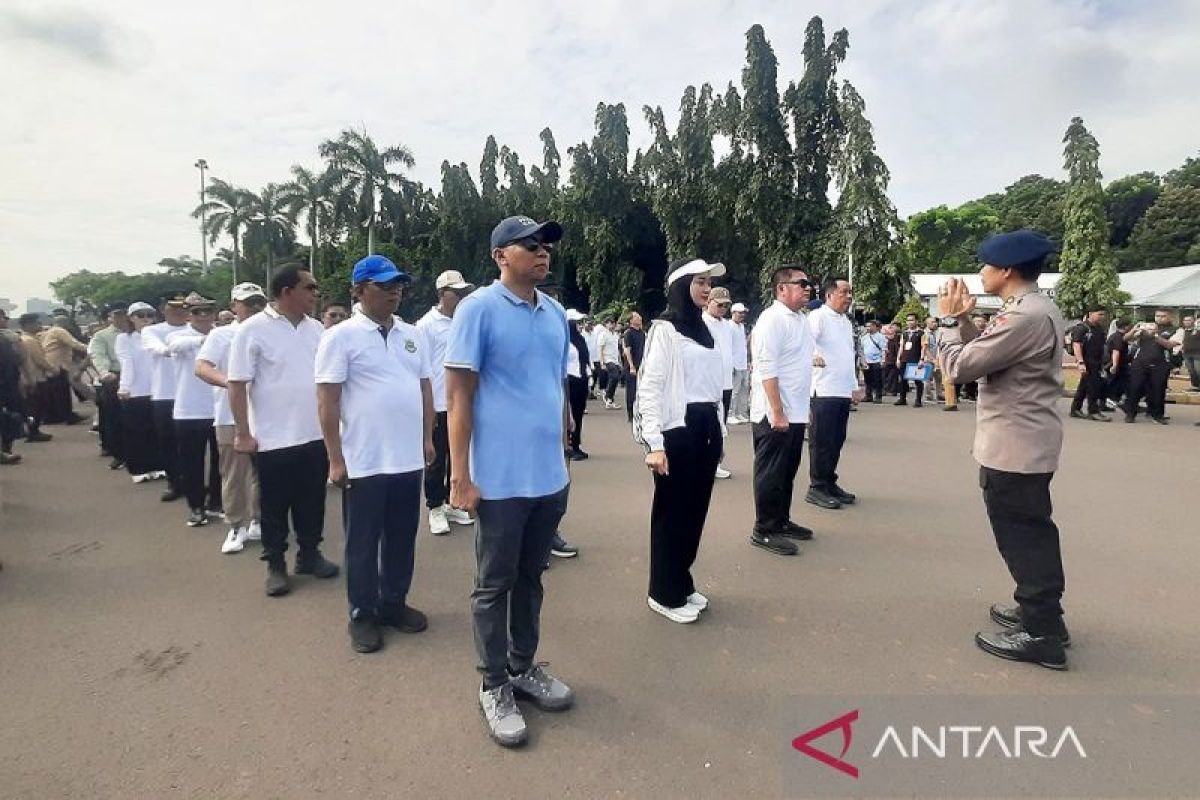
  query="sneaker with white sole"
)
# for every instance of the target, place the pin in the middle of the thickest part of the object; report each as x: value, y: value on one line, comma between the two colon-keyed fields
x: 722, y: 473
x: 505, y: 722
x: 235, y: 541
x: 458, y: 516
x: 254, y: 532
x: 697, y: 601
x: 683, y: 615
x: 145, y: 477
x: 438, y: 525
x: 542, y: 689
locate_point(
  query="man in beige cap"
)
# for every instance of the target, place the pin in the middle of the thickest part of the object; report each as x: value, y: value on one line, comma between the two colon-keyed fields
x: 435, y: 329
x: 192, y: 413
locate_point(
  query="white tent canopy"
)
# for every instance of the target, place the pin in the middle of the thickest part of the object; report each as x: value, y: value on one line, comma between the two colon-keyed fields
x: 1171, y: 287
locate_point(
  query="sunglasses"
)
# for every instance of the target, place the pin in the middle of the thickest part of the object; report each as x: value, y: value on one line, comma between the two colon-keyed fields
x: 394, y: 285
x: 532, y: 243
x: 801, y: 283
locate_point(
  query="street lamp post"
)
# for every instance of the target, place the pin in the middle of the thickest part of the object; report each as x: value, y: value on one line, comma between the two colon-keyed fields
x: 202, y: 165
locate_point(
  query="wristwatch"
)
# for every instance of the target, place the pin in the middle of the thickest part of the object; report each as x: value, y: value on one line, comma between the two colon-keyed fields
x: 948, y: 322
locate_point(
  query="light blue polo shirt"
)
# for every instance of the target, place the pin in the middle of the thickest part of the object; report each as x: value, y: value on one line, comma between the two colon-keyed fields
x: 521, y: 355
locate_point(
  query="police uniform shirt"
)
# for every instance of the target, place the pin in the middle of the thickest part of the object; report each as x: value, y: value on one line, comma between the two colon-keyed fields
x: 1017, y: 360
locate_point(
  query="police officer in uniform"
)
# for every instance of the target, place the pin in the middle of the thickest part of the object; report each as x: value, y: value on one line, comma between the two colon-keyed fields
x: 1018, y: 437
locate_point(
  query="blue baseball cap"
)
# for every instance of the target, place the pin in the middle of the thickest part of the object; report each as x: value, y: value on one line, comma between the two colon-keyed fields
x: 1013, y: 248
x: 377, y: 269
x: 512, y: 229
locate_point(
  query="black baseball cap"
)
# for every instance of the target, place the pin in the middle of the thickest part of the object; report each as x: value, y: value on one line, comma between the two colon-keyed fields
x: 512, y: 229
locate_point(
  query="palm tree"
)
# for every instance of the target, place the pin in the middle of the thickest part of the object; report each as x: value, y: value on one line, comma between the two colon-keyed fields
x: 366, y: 176
x: 227, y: 211
x: 271, y: 222
x: 314, y: 195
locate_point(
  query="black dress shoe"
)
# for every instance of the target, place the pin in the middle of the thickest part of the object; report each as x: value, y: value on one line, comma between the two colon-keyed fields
x: 577, y: 455
x: 900, y: 403
x: 170, y: 495
x: 365, y: 636
x: 844, y: 497
x: 1160, y: 420
x: 405, y: 619
x: 793, y: 531
x: 819, y: 498
x: 1010, y: 617
x: 311, y: 562
x: 775, y: 542
x: 38, y: 436
x: 1046, y: 651
x: 278, y: 583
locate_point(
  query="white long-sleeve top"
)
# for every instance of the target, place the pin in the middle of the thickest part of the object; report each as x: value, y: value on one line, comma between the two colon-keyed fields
x: 675, y: 371
x: 154, y: 340
x: 137, y: 365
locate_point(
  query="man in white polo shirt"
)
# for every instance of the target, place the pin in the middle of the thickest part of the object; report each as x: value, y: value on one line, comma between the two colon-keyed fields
x: 835, y: 384
x: 162, y: 389
x: 239, y: 480
x: 274, y: 404
x: 375, y: 402
x: 435, y: 328
x: 193, y: 413
x: 739, y: 404
x: 779, y: 403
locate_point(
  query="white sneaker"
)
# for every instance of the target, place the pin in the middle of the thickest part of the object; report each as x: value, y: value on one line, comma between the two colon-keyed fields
x: 254, y: 532
x: 697, y: 601
x: 736, y: 421
x: 438, y: 525
x: 722, y: 473
x: 459, y: 516
x: 683, y: 615
x: 144, y: 477
x: 235, y: 541
x: 158, y: 475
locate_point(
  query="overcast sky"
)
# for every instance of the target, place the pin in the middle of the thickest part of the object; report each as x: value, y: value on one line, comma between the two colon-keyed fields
x: 107, y: 105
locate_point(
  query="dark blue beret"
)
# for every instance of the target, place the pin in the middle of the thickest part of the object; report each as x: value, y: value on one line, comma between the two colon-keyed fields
x: 1015, y: 247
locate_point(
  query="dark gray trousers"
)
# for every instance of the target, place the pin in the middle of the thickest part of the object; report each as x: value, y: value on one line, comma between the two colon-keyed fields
x: 512, y: 546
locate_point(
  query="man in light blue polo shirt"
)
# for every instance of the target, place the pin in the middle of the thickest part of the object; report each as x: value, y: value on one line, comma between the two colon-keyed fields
x: 506, y: 367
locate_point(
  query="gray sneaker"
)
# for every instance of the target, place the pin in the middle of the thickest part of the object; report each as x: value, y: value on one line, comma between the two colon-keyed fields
x: 504, y: 719
x: 543, y: 689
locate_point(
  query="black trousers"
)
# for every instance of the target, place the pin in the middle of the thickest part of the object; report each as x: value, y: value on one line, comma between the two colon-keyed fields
x: 726, y: 399
x: 1116, y: 384
x: 142, y: 453
x: 291, y: 481
x: 612, y: 380
x: 891, y: 378
x: 873, y: 378
x: 437, y: 474
x: 680, y: 504
x: 1091, y: 388
x: 630, y: 393
x: 919, y: 386
x: 108, y: 409
x: 826, y: 434
x: 1149, y: 380
x: 380, y: 514
x: 577, y: 389
x: 599, y: 376
x: 777, y: 457
x: 164, y: 431
x: 57, y: 406
x: 1019, y: 509
x: 202, y: 488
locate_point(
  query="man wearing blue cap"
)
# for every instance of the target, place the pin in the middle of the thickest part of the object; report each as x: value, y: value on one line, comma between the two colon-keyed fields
x: 506, y: 370
x: 1018, y: 435
x: 375, y: 402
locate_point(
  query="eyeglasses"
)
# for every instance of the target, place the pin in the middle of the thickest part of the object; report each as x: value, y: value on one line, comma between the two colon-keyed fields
x: 532, y: 243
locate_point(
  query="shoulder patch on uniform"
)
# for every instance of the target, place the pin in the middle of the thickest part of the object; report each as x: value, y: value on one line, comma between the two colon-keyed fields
x: 997, y: 321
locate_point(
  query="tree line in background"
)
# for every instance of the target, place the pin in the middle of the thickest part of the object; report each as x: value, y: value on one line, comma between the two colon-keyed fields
x: 745, y: 177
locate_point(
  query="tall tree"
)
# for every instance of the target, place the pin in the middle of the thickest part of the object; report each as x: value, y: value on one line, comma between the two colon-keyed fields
x: 518, y: 195
x: 1126, y: 200
x: 314, y: 195
x: 271, y: 226
x: 367, y: 174
x: 545, y: 179
x: 816, y: 121
x: 461, y: 230
x: 1088, y: 273
x: 489, y: 180
x: 944, y: 239
x: 227, y: 211
x: 866, y: 217
x: 1031, y: 202
x: 1168, y: 235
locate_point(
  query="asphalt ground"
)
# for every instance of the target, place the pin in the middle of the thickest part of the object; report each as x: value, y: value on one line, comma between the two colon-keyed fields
x: 138, y: 661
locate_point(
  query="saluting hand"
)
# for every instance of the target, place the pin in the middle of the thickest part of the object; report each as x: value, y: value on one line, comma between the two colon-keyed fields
x: 955, y: 299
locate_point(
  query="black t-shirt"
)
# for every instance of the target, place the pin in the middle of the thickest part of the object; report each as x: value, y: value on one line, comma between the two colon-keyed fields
x: 635, y: 340
x: 1149, y: 351
x: 1092, y: 339
x: 1117, y: 342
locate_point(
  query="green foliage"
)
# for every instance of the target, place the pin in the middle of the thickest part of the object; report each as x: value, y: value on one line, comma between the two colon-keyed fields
x: 1168, y: 234
x: 1126, y: 201
x: 912, y: 305
x: 944, y: 240
x: 1088, y: 273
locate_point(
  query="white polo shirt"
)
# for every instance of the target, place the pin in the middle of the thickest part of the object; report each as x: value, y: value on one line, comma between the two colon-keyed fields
x: 607, y: 346
x: 722, y: 333
x: 162, y: 376
x: 783, y: 349
x: 833, y: 341
x: 740, y: 356
x: 276, y: 358
x: 382, y: 408
x: 435, y: 327
x: 215, y: 351
x: 193, y: 397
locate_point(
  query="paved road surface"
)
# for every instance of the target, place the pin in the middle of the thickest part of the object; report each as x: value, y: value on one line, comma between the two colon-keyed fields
x: 137, y: 661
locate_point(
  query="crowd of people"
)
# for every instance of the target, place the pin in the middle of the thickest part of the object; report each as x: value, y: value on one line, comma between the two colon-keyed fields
x: 477, y: 410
